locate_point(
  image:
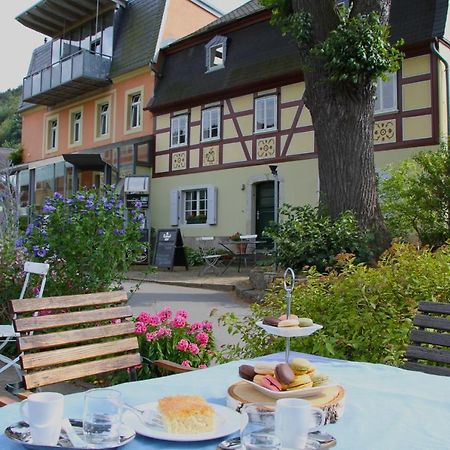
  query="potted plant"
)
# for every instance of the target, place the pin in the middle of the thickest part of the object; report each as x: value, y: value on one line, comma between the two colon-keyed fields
x: 196, y: 218
x: 241, y: 247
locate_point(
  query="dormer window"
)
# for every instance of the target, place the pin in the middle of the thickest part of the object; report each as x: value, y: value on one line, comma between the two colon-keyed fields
x: 216, y: 52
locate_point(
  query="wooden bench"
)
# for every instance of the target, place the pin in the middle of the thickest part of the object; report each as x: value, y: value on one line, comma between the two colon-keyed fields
x: 72, y: 337
x: 430, y: 341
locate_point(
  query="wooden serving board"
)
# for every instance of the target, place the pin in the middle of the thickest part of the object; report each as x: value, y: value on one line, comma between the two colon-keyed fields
x: 331, y: 399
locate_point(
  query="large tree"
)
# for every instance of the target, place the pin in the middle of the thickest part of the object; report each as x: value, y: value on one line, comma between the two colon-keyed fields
x: 343, y: 51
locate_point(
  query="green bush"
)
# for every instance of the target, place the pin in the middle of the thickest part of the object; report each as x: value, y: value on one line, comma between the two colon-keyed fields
x: 306, y: 238
x: 87, y: 241
x: 415, y: 198
x: 193, y: 256
x: 366, y: 312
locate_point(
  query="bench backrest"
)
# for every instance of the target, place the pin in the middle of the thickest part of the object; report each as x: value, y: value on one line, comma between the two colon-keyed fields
x: 430, y: 341
x: 75, y: 336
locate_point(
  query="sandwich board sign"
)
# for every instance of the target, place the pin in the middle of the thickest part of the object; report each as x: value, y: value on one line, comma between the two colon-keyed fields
x: 169, y: 249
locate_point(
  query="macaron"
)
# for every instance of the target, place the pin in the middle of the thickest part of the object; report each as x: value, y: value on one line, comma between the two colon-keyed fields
x: 247, y: 372
x: 288, y: 323
x: 268, y: 382
x: 305, y: 322
x: 319, y: 379
x: 284, y: 317
x: 284, y: 374
x: 299, y: 382
x: 270, y: 320
x: 265, y: 367
x: 301, y: 366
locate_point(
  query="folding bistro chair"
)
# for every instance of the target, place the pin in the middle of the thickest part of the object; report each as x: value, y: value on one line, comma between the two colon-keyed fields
x: 250, y: 250
x: 212, y: 261
x: 7, y: 333
x: 74, y: 336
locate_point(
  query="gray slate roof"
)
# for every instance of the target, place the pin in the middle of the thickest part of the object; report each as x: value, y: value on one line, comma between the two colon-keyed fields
x: 259, y: 52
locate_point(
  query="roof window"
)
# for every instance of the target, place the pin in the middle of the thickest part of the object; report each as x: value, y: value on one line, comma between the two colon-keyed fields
x: 216, y: 52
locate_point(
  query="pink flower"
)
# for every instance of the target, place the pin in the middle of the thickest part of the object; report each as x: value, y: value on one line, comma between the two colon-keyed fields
x: 193, y: 348
x: 150, y: 336
x: 165, y: 313
x: 183, y: 345
x: 202, y: 338
x: 186, y: 363
x: 178, y: 322
x: 116, y: 321
x: 183, y: 313
x: 195, y: 326
x: 163, y: 331
x: 36, y: 290
x: 202, y: 366
x: 154, y: 320
x: 144, y: 317
x: 207, y: 325
x: 140, y: 328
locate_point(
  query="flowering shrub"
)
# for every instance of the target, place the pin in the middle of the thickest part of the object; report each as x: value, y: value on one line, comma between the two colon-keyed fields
x: 87, y: 240
x: 169, y: 335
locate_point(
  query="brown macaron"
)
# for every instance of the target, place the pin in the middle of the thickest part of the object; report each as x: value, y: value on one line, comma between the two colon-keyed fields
x: 284, y: 374
x: 247, y: 372
x: 272, y: 321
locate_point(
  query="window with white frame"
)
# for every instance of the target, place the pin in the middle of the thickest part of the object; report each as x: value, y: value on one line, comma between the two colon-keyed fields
x: 179, y: 130
x: 216, y: 52
x: 52, y: 139
x: 266, y: 113
x: 75, y: 137
x: 135, y: 110
x: 103, y: 119
x: 193, y: 205
x: 386, y: 96
x: 211, y: 124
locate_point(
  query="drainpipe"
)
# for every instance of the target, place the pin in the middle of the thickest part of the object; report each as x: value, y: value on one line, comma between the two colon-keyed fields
x: 447, y: 81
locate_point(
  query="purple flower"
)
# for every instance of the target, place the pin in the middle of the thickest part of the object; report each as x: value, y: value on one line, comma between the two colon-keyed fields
x: 138, y: 204
x: 48, y: 208
x: 39, y: 251
x: 57, y: 196
x: 118, y: 232
x: 90, y: 204
x: 80, y: 197
x: 101, y: 232
x: 19, y: 243
x: 29, y: 229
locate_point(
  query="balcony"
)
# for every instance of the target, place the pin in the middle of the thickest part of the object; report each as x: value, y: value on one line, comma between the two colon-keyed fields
x: 68, y: 78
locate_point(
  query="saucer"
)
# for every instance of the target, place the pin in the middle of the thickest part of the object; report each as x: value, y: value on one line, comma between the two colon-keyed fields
x: 20, y: 433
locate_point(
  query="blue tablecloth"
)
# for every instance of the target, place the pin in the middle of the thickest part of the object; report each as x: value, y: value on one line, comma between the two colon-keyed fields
x: 385, y: 408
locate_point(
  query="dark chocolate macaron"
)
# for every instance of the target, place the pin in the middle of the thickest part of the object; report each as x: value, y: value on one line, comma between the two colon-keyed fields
x: 247, y: 372
x: 272, y: 321
x: 284, y: 374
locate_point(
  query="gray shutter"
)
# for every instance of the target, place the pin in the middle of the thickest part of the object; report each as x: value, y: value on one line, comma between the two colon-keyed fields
x: 212, y: 205
x: 174, y: 205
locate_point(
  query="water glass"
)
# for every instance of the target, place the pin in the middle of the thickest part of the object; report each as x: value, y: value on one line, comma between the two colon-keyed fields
x: 258, y: 427
x: 102, y: 417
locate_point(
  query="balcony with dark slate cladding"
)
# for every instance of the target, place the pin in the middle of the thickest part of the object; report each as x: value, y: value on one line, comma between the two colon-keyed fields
x: 75, y: 75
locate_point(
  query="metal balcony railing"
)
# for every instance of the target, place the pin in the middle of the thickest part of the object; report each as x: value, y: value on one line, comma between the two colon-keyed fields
x: 73, y: 75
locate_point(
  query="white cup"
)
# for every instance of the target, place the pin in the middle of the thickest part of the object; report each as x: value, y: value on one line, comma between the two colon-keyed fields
x: 44, y: 413
x: 294, y: 419
x: 102, y: 417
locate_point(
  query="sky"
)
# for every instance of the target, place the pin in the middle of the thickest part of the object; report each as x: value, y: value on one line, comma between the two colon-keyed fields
x: 18, y: 42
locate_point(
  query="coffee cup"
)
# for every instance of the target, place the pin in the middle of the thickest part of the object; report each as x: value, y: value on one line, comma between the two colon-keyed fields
x: 43, y: 412
x: 294, y: 419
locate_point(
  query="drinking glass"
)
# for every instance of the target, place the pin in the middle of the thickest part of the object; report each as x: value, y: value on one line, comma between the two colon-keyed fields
x: 102, y: 417
x: 258, y: 427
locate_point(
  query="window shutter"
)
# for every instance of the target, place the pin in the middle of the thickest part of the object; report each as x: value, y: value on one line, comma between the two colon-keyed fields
x: 212, y: 206
x: 174, y: 205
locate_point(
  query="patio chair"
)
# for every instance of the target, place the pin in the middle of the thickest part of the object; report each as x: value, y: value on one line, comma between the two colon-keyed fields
x: 430, y: 340
x: 74, y: 336
x: 7, y: 333
x: 212, y: 260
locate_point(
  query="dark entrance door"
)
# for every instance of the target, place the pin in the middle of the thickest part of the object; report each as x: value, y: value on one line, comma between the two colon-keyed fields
x: 264, y: 207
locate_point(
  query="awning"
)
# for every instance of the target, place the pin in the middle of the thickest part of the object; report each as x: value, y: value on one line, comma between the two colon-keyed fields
x: 54, y: 17
x: 91, y: 161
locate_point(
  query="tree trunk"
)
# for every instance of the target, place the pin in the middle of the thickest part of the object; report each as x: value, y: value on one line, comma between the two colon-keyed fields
x: 343, y: 124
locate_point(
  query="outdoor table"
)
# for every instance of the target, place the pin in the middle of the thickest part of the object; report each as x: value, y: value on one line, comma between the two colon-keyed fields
x: 239, y: 254
x: 386, y: 408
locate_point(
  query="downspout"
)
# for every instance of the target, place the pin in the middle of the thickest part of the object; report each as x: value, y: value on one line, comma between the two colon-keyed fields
x: 447, y: 81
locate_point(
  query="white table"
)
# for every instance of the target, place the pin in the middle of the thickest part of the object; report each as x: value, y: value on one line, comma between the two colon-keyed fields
x: 385, y: 408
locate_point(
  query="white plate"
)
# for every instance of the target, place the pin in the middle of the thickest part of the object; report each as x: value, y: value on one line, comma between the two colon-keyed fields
x: 289, y: 331
x: 294, y: 393
x: 227, y: 421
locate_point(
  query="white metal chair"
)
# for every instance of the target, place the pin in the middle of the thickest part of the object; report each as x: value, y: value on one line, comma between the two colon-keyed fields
x: 212, y: 260
x: 7, y: 333
x: 250, y: 250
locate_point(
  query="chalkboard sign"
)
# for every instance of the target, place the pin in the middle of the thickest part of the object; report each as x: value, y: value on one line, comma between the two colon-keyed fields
x: 169, y: 251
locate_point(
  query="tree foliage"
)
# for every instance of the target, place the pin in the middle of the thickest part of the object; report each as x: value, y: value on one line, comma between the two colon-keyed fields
x: 10, y: 120
x: 415, y: 197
